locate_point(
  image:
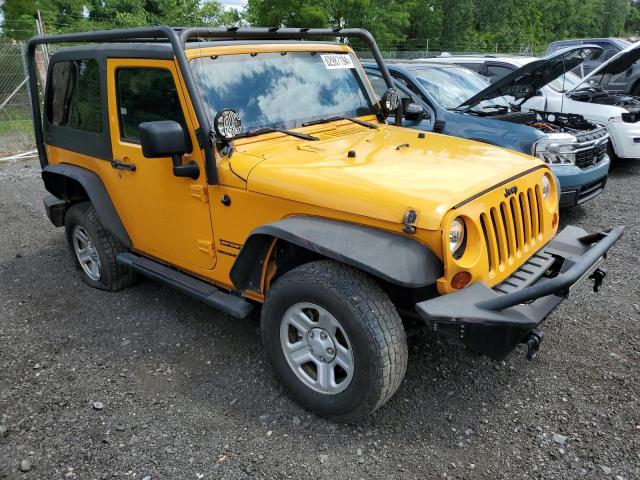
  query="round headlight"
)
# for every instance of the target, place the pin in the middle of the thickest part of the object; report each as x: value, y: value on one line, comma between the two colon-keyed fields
x: 390, y: 101
x: 546, y: 187
x: 456, y: 236
x: 227, y: 124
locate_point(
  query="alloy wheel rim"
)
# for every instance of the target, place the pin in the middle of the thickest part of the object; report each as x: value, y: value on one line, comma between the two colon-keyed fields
x: 86, y: 253
x: 317, y: 348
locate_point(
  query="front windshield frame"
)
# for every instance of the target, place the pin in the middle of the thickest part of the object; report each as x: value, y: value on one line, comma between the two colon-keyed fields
x: 197, y: 65
x: 480, y: 83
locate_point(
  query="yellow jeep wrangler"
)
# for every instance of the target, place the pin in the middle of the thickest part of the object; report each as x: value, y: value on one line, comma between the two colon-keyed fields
x: 248, y: 166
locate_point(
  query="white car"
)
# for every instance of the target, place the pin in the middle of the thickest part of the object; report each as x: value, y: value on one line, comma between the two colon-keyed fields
x: 619, y: 112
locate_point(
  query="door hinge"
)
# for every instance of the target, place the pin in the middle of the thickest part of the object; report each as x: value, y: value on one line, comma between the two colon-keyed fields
x: 207, y: 247
x: 199, y: 192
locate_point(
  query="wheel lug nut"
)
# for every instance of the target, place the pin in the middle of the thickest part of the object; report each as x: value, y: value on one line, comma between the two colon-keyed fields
x: 310, y: 334
x: 330, y: 351
x: 322, y: 359
x: 323, y: 335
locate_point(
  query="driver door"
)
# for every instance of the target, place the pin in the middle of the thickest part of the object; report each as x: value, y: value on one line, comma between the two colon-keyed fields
x: 167, y: 217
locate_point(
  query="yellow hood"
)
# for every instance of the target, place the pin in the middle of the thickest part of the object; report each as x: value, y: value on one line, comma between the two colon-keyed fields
x: 391, y: 170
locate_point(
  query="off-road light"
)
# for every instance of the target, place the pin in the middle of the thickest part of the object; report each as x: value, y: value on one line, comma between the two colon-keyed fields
x: 390, y: 101
x: 546, y: 187
x: 456, y: 235
x: 227, y: 124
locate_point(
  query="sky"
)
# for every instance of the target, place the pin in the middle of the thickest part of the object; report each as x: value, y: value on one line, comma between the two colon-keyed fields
x: 233, y: 3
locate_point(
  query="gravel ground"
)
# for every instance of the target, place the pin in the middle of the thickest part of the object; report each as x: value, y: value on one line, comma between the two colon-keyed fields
x: 149, y: 384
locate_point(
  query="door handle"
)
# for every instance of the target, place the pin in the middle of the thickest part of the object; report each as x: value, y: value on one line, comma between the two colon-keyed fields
x: 123, y: 166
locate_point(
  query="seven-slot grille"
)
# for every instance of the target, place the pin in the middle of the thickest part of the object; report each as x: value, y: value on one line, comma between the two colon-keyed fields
x: 591, y: 156
x: 512, y: 226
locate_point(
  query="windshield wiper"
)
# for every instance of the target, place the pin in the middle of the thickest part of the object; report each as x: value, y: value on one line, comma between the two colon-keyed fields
x: 464, y: 108
x: 333, y: 119
x: 260, y: 131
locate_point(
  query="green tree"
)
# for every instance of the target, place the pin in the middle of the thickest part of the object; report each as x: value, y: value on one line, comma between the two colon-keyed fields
x: 632, y: 25
x: 457, y: 31
x: 613, y: 14
x: 277, y: 13
x: 19, y: 18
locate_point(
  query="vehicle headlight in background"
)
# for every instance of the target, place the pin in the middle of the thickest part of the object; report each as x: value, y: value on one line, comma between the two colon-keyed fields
x: 546, y: 187
x: 554, y: 152
x: 456, y: 237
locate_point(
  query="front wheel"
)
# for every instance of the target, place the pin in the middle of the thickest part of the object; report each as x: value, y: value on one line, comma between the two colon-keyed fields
x: 335, y: 339
x: 95, y: 250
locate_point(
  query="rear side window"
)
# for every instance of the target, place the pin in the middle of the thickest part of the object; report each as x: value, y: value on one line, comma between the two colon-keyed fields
x: 476, y: 67
x: 146, y: 95
x: 75, y: 100
x: 496, y: 72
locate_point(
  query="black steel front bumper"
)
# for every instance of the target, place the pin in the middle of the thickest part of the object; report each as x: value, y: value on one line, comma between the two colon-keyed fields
x: 492, y: 322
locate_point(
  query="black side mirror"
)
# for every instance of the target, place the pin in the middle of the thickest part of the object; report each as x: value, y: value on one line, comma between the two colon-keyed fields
x: 414, y: 112
x: 166, y: 138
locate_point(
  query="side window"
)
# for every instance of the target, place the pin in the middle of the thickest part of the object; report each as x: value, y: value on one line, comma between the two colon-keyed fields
x: 496, y: 72
x: 607, y: 53
x: 74, y: 99
x: 476, y: 67
x: 380, y: 86
x: 146, y: 95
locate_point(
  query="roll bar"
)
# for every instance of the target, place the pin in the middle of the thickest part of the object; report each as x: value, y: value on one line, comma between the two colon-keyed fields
x: 178, y: 38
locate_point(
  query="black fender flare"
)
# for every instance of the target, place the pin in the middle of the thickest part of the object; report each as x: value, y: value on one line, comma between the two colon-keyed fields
x: 395, y: 258
x: 55, y: 178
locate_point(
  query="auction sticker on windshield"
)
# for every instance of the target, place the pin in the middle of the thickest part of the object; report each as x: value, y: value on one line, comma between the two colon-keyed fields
x: 335, y: 61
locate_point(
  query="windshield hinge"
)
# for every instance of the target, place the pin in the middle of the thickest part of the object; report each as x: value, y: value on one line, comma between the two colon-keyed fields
x: 199, y: 192
x: 206, y: 247
x: 201, y: 137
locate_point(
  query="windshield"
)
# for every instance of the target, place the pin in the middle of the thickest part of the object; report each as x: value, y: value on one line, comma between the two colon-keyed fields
x: 283, y: 89
x: 565, y: 82
x: 452, y: 86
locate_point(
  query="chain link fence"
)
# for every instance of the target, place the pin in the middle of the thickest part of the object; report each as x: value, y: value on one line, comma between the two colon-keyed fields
x: 16, y: 127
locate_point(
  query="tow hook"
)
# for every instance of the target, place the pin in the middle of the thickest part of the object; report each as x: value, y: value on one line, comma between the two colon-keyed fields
x: 598, y: 276
x: 533, y: 341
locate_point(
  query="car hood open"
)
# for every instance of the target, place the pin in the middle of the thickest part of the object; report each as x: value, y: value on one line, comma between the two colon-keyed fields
x: 524, y: 82
x: 617, y: 64
x: 389, y: 171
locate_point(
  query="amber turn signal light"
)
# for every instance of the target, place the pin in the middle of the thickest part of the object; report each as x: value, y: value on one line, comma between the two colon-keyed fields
x: 460, y: 280
x: 554, y: 221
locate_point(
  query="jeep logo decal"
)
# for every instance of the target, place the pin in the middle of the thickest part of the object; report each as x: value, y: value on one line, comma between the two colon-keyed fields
x: 510, y: 191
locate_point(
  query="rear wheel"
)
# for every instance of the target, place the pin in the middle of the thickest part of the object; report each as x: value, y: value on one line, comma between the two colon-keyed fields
x: 335, y: 340
x: 94, y: 249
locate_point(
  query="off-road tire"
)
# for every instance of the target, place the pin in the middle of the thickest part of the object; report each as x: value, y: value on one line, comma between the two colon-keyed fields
x: 113, y: 276
x: 370, y: 321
